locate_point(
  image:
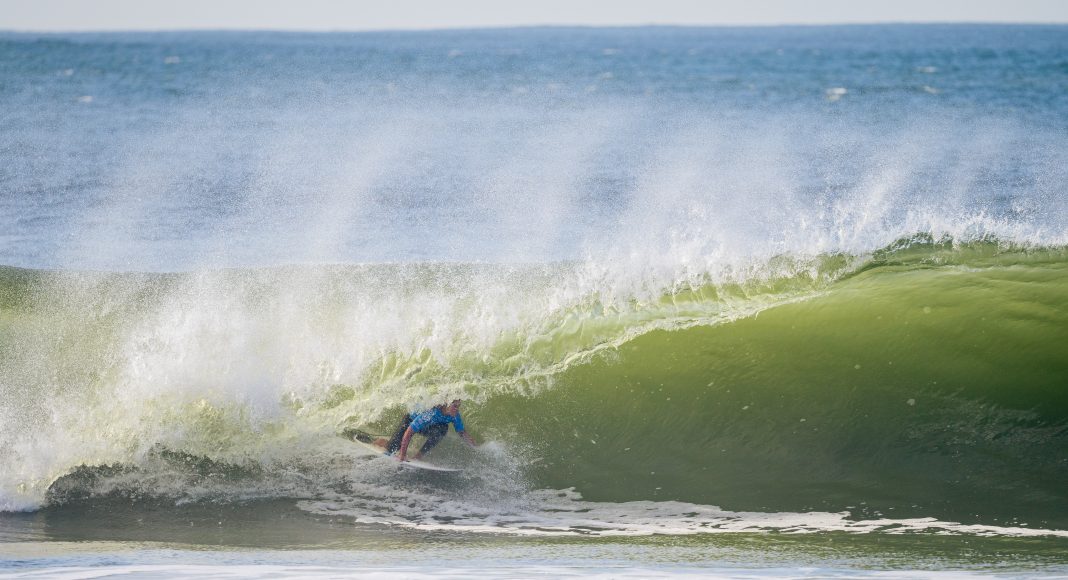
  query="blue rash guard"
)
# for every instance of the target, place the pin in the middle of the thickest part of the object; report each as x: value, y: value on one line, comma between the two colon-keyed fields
x: 435, y: 416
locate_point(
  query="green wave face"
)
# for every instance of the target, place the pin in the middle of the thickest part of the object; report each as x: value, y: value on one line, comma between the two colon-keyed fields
x: 905, y: 391
x: 923, y: 381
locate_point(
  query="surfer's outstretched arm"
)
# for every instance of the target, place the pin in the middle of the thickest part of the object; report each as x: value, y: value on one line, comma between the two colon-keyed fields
x: 402, y: 453
x: 467, y: 439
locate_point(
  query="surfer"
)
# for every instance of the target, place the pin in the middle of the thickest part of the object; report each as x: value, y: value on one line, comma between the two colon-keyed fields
x: 432, y: 424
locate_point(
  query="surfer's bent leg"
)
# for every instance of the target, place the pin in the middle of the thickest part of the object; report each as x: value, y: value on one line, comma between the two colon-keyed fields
x: 395, y: 442
x: 434, y: 434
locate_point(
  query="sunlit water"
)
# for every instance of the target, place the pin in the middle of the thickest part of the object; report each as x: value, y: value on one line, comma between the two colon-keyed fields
x: 735, y: 302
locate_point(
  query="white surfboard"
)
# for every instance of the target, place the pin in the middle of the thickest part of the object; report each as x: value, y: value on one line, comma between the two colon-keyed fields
x: 410, y: 463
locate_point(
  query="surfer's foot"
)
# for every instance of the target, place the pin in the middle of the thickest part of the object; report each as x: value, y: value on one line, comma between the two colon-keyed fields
x: 381, y: 442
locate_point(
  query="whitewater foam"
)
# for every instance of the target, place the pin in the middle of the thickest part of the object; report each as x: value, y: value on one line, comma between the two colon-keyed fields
x: 565, y: 513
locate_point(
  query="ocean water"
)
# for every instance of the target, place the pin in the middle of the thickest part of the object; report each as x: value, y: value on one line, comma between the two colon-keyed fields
x: 739, y: 302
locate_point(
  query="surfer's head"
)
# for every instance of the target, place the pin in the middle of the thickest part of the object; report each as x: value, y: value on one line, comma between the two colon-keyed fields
x: 454, y: 407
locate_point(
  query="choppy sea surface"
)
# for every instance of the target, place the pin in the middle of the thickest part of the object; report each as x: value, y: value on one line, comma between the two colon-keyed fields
x: 739, y: 302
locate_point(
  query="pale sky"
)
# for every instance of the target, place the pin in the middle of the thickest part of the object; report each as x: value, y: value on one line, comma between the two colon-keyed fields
x: 80, y: 15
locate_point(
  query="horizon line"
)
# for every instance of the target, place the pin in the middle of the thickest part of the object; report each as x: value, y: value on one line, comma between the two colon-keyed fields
x: 504, y: 27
